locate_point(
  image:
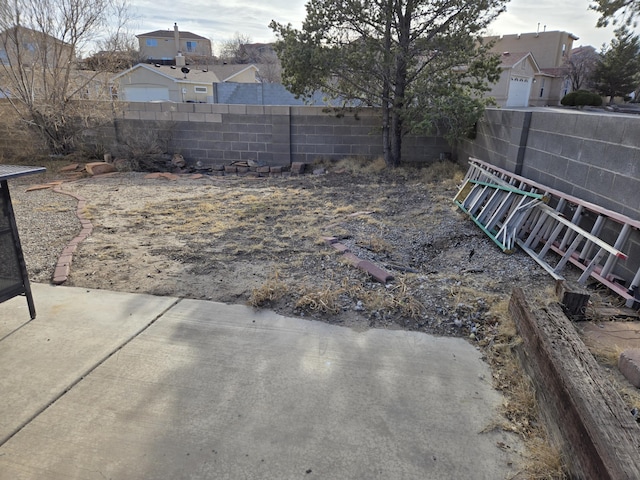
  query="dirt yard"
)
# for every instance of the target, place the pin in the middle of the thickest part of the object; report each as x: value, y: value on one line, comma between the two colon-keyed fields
x: 260, y: 241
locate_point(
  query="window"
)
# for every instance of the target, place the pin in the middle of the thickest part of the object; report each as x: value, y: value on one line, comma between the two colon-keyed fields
x: 4, y: 58
x: 152, y: 42
x: 191, y: 46
x: 201, y: 89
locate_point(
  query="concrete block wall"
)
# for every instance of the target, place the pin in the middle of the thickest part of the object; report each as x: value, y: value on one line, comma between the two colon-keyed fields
x: 216, y: 134
x: 594, y: 156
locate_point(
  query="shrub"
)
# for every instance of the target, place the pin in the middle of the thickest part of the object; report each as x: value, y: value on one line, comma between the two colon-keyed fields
x: 580, y: 98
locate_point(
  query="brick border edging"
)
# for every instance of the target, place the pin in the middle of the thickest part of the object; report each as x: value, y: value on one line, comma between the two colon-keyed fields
x: 366, y: 266
x: 63, y: 266
x: 584, y: 414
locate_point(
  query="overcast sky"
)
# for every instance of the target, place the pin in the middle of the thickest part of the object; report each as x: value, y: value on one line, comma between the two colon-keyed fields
x: 220, y: 20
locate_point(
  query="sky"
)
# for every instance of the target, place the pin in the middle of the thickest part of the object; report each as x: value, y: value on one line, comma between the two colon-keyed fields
x: 220, y: 20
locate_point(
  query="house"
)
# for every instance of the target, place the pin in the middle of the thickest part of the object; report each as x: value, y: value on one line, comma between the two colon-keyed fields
x: 550, y: 51
x: 146, y: 83
x: 519, y: 71
x: 173, y: 47
x: 24, y: 47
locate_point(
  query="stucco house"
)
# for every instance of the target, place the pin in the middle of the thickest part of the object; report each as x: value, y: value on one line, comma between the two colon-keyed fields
x: 146, y: 83
x: 169, y: 46
x: 547, y: 82
x: 519, y: 70
x: 22, y: 46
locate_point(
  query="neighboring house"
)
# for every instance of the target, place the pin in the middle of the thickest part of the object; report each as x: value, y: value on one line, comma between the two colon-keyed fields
x: 550, y: 51
x: 146, y: 83
x: 170, y: 47
x: 516, y: 82
x: 21, y: 46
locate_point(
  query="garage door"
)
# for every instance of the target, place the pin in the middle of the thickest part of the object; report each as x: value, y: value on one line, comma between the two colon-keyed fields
x: 145, y: 94
x: 519, y: 90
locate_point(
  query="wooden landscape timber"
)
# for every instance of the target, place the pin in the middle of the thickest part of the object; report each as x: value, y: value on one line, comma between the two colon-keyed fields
x: 584, y: 414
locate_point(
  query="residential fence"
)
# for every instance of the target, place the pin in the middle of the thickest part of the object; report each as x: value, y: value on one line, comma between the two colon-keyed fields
x: 214, y: 134
x: 593, y: 156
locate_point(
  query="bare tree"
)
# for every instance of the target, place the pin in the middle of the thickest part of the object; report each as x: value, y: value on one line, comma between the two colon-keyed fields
x: 39, y: 43
x: 233, y: 50
x: 580, y: 65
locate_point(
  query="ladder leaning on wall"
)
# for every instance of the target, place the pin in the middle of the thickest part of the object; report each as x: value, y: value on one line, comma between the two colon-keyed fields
x: 513, y: 210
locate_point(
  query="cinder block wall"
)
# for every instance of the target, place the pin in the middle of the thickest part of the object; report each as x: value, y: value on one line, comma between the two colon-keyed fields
x: 593, y: 156
x: 215, y: 134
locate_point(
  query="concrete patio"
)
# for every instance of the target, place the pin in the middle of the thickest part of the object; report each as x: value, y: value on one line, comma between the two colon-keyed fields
x: 123, y: 386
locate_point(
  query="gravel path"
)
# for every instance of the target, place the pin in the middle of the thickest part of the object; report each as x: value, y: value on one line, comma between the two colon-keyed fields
x: 46, y: 223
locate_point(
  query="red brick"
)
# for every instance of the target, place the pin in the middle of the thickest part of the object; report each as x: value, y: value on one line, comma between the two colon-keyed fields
x: 341, y: 247
x: 61, y: 271
x: 263, y: 169
x: 70, y: 249
x: 65, y: 259
x: 230, y: 169
x: 99, y: 168
x: 352, y: 259
x: 629, y: 365
x: 329, y: 240
x: 242, y: 169
x: 376, y: 272
x: 275, y: 169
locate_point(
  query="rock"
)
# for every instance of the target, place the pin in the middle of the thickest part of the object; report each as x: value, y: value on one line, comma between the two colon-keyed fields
x: 629, y: 365
x: 178, y: 161
x: 99, y: 168
x: 70, y: 168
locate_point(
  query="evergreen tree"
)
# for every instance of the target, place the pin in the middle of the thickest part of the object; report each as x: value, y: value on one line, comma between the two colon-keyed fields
x: 617, y: 72
x: 420, y: 61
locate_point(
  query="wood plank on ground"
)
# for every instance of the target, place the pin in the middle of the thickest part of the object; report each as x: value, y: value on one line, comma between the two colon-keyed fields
x: 584, y: 413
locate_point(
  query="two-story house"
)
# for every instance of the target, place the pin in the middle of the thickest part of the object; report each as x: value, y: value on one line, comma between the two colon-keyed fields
x: 542, y: 78
x: 24, y: 47
x: 173, y: 47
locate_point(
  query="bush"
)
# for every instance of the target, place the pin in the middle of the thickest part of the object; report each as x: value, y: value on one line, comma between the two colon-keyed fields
x: 580, y: 98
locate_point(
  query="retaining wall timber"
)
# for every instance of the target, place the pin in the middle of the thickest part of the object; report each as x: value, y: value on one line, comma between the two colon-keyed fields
x: 215, y: 134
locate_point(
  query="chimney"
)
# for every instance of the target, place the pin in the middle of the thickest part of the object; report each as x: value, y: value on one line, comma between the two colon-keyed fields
x: 180, y: 60
x: 176, y: 36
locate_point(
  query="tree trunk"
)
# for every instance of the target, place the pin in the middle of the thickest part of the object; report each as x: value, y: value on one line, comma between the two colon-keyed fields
x: 387, y: 151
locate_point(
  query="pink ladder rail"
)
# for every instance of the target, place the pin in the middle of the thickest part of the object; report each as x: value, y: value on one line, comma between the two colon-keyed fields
x: 581, y: 256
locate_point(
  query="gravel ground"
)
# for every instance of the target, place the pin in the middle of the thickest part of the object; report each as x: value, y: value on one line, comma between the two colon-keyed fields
x: 185, y: 239
x: 46, y: 223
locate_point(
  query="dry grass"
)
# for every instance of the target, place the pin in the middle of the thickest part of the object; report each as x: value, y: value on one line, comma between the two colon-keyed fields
x: 322, y: 299
x: 272, y: 290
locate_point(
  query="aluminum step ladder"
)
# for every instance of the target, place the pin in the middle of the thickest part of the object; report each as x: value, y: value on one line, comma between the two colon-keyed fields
x: 549, y: 221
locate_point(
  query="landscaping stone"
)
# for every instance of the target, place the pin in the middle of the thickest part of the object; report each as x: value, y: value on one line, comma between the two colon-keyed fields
x: 297, y: 168
x: 70, y: 168
x: 629, y: 365
x: 99, y: 168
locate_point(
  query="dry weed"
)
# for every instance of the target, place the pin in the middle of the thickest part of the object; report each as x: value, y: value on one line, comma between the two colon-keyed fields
x: 272, y: 290
x: 322, y: 300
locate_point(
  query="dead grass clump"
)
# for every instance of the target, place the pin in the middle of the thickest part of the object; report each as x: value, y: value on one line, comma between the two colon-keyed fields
x: 272, y: 290
x: 520, y: 407
x: 376, y: 245
x: 439, y: 172
x: 361, y: 166
x: 320, y: 300
x: 543, y: 461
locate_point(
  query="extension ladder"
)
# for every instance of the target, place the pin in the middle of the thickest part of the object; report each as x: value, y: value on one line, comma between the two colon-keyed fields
x: 512, y: 209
